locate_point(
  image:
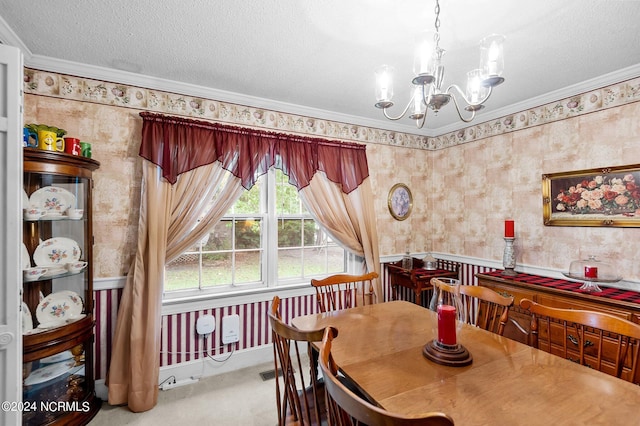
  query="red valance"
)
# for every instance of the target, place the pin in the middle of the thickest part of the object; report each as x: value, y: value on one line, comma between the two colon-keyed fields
x: 178, y: 145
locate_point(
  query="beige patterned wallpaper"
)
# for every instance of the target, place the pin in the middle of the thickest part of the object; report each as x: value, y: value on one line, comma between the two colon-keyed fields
x: 462, y: 194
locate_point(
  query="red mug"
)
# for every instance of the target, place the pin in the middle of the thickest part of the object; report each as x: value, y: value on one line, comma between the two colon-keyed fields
x: 72, y: 146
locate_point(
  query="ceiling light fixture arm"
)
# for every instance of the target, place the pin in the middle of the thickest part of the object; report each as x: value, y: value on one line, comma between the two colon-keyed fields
x: 470, y: 106
x: 384, y: 110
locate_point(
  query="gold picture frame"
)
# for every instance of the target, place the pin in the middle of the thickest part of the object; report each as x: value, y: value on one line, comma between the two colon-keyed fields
x: 607, y: 196
x: 400, y: 201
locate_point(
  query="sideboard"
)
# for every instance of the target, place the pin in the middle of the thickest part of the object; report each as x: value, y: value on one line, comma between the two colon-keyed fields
x: 558, y: 293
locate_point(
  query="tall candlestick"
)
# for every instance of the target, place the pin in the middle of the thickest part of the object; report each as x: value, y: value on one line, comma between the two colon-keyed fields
x: 509, y: 229
x: 447, y: 325
x: 509, y: 257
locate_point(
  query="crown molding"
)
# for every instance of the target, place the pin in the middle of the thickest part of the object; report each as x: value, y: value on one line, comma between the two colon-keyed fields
x: 125, y: 77
x: 10, y: 38
x: 550, y: 97
x: 62, y: 66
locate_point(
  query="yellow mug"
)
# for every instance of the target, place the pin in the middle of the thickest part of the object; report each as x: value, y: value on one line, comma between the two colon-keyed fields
x: 49, y: 141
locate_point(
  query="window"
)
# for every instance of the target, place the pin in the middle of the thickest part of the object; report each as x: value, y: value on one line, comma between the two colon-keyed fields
x: 266, y: 239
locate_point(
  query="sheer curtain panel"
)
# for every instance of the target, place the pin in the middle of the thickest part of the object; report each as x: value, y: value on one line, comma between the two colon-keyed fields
x: 193, y: 172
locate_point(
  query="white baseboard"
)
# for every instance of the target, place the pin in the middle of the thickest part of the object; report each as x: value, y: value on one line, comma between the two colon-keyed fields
x: 185, y: 371
x: 195, y: 369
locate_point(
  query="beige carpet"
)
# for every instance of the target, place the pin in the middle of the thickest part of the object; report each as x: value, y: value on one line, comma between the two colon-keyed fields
x: 237, y: 398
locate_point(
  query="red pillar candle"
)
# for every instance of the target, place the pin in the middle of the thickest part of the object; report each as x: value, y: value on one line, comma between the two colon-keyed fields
x: 447, y: 325
x: 590, y: 272
x: 508, y: 229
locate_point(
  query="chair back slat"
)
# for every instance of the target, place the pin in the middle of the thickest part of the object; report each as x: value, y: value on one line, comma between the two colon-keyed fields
x: 486, y: 308
x: 344, y: 291
x: 616, y: 351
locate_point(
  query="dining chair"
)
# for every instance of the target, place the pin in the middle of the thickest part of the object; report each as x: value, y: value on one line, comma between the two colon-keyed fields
x: 598, y: 340
x: 486, y: 308
x: 347, y: 408
x: 299, y: 402
x: 343, y: 291
x: 483, y: 307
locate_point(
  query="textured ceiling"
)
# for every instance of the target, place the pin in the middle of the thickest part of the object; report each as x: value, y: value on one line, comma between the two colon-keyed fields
x: 318, y: 57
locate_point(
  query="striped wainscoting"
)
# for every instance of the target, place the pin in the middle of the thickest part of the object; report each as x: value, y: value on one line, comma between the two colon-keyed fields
x: 180, y: 342
x: 106, y: 313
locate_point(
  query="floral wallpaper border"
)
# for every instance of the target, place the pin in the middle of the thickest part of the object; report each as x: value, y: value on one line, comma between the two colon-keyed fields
x: 84, y: 89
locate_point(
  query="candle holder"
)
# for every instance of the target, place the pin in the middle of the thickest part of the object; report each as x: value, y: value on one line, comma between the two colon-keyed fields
x: 445, y: 349
x: 509, y: 257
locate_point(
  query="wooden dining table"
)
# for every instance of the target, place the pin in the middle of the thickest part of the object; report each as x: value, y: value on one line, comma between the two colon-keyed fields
x: 380, y: 348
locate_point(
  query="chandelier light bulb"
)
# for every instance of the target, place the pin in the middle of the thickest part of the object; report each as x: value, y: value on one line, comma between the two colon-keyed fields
x: 423, y: 59
x: 384, y: 86
x: 492, y: 59
x: 418, y: 104
x: 476, y: 93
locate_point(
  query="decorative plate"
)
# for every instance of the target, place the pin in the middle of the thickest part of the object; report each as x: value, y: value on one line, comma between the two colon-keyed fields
x: 56, y: 251
x: 49, y: 372
x: 53, y: 199
x: 57, y: 307
x: 400, y: 201
x: 27, y: 321
x: 26, y: 262
x: 25, y: 199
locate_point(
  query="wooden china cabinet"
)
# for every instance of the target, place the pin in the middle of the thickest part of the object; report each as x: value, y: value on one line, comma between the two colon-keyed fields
x: 58, y: 323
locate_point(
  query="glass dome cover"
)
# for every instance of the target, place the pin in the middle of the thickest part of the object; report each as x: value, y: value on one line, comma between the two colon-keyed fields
x: 430, y: 262
x: 592, y: 271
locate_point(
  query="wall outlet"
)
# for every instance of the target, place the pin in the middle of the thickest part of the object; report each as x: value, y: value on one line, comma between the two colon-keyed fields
x: 205, y: 324
x: 230, y: 329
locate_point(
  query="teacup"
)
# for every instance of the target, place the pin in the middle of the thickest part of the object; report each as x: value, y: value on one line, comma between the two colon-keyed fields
x: 75, y: 267
x: 33, y: 274
x: 75, y: 214
x: 34, y: 213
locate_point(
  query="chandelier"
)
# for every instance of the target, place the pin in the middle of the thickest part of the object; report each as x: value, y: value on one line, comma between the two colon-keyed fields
x: 428, y: 70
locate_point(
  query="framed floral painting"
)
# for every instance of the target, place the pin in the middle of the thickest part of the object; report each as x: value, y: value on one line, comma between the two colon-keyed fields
x: 400, y: 201
x: 595, y: 197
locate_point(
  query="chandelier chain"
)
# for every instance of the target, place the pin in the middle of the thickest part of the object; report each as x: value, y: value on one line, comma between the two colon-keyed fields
x: 436, y: 36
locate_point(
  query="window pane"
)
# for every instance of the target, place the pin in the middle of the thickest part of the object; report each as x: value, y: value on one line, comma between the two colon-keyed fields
x: 335, y: 259
x: 287, y: 199
x: 216, y: 269
x: 248, y: 266
x: 182, y: 273
x: 249, y: 201
x: 313, y: 235
x: 289, y: 232
x: 248, y: 233
x: 290, y: 263
x: 220, y: 236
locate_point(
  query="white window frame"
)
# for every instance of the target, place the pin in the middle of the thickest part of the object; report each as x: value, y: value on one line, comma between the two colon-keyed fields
x: 269, y: 243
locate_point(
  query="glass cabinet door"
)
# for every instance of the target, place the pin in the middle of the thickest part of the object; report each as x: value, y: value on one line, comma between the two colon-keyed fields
x: 57, y: 289
x: 55, y: 238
